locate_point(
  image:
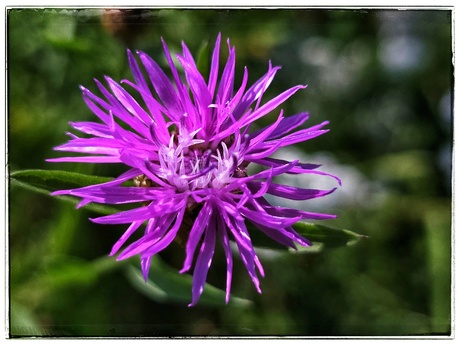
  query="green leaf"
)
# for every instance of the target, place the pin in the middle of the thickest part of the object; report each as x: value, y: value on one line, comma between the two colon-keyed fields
x: 64, y: 272
x: 47, y: 181
x: 327, y: 236
x: 167, y: 285
x: 23, y: 322
x: 323, y: 237
x: 203, y: 58
x: 51, y: 180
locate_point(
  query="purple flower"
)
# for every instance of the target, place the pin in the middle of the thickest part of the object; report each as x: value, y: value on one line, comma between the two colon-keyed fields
x: 187, y: 148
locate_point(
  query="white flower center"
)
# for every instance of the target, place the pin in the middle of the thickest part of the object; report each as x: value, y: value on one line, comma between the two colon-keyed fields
x: 188, y: 164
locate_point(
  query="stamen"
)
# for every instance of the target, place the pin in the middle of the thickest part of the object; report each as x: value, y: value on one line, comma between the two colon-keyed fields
x: 200, y: 173
x: 207, y: 157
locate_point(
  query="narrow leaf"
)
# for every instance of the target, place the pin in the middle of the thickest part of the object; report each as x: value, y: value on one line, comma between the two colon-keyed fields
x: 52, y: 180
x: 323, y: 237
x: 167, y: 285
x: 202, y: 62
x: 64, y: 272
x: 47, y: 181
x: 329, y: 237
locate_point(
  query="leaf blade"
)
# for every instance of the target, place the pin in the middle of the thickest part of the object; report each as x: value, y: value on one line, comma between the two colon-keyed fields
x: 328, y: 236
x: 47, y: 181
x: 168, y: 285
x: 323, y: 237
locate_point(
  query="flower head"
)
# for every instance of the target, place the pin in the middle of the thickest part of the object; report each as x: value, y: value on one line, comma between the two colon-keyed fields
x: 187, y: 148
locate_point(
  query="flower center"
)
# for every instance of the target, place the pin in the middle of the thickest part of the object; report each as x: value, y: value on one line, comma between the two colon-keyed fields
x: 188, y: 163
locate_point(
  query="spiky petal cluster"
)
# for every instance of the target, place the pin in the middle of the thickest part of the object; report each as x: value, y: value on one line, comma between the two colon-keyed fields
x: 187, y: 149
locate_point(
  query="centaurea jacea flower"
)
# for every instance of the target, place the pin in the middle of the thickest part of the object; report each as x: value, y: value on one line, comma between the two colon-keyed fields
x: 187, y: 149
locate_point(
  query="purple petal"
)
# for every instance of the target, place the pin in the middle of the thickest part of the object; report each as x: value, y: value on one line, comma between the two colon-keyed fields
x: 286, y: 125
x: 142, y: 87
x: 116, y: 181
x: 300, y: 136
x: 250, y: 117
x: 214, y: 67
x: 228, y: 75
x: 199, y: 90
x: 263, y: 153
x: 149, y: 239
x: 243, y: 242
x: 119, y: 110
x: 204, y: 260
x: 199, y: 226
x: 255, y: 91
x: 234, y: 226
x: 263, y: 174
x: 125, y: 217
x: 187, y: 104
x: 102, y: 146
x: 284, y: 235
x: 290, y: 212
x: 143, y: 213
x: 163, y: 86
x: 156, y: 109
x: 92, y: 128
x: 267, y: 219
x: 228, y: 255
x: 143, y: 165
x: 255, y: 140
x: 164, y: 241
x: 94, y: 102
x: 237, y: 97
x: 86, y: 159
x: 292, y: 193
x: 298, y: 168
x: 145, y: 266
x: 276, y: 234
x: 122, y: 195
x: 270, y: 105
x: 129, y: 102
x: 132, y: 228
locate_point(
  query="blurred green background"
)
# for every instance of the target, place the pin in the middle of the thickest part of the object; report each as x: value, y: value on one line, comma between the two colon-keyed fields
x: 383, y: 78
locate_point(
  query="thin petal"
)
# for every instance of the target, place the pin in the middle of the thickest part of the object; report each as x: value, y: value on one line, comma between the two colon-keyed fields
x: 214, y: 67
x: 199, y: 226
x: 157, y: 240
x: 300, y: 168
x: 276, y: 234
x: 125, y: 217
x: 199, y: 89
x: 129, y: 102
x: 132, y: 228
x: 228, y: 75
x: 267, y: 219
x: 262, y: 175
x: 163, y: 87
x: 291, y: 139
x: 273, y: 162
x: 165, y: 240
x: 292, y: 193
x: 285, y: 126
x: 204, y: 260
x: 255, y: 91
x: 86, y: 159
x: 146, y: 260
x: 228, y: 255
x: 93, y: 128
